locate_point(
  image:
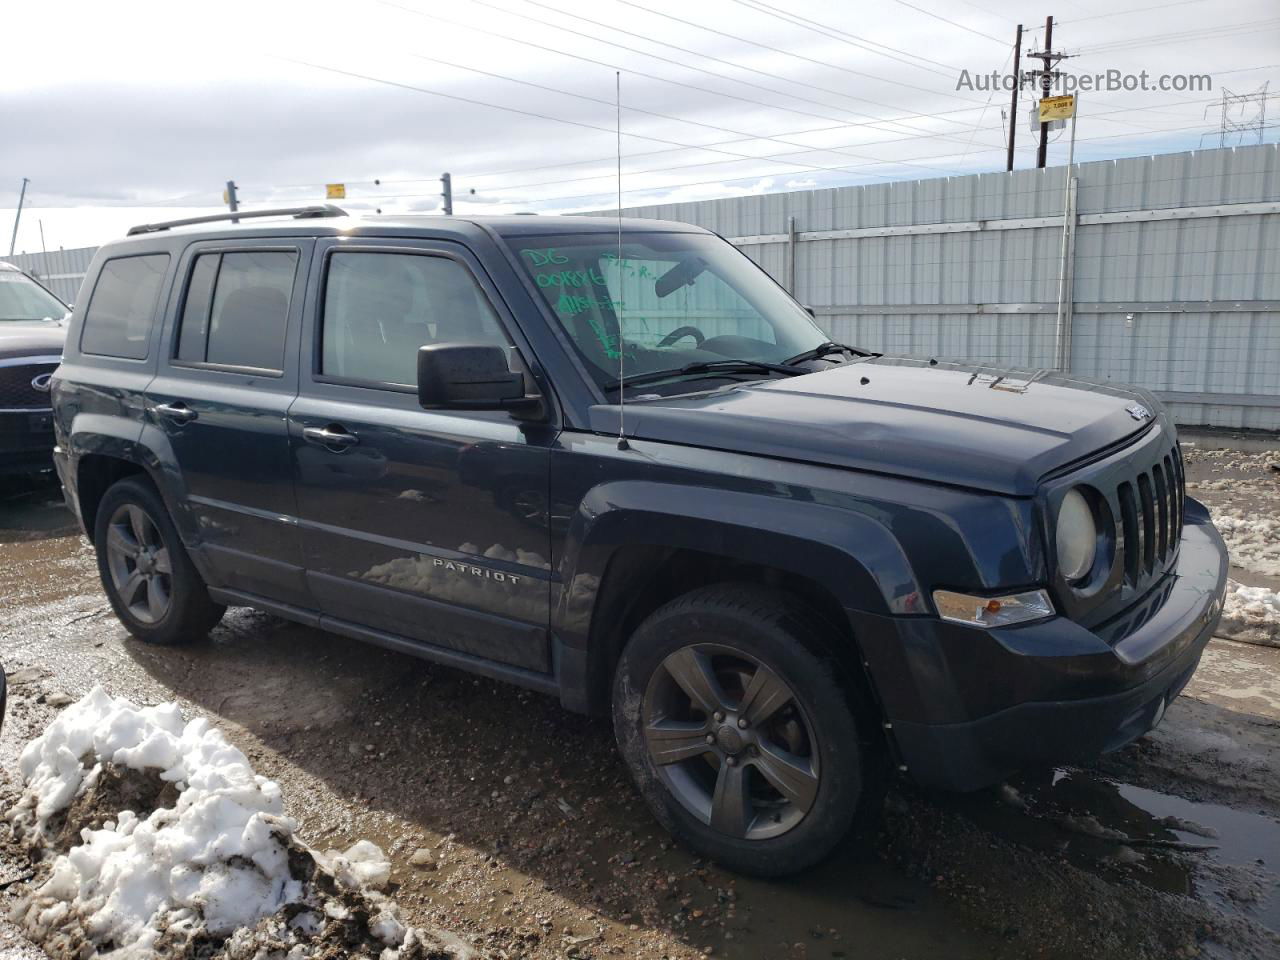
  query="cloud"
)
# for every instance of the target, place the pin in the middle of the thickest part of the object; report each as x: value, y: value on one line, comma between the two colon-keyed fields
x: 158, y: 109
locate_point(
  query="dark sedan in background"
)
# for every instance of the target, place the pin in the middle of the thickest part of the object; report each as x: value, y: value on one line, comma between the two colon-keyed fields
x: 32, y: 331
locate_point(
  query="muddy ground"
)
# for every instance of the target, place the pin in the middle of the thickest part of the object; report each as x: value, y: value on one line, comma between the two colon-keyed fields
x: 527, y: 839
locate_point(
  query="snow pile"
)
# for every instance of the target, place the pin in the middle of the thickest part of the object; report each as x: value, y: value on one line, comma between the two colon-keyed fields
x: 1254, y: 542
x: 157, y: 839
x: 1251, y: 614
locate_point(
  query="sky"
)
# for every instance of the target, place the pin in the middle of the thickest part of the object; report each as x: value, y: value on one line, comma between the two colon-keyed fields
x: 136, y: 111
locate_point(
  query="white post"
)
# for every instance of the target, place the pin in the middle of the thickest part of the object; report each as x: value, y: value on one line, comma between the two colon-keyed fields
x: 1063, y: 333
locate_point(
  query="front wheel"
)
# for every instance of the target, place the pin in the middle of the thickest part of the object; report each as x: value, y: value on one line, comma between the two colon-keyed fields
x: 154, y: 588
x: 738, y: 729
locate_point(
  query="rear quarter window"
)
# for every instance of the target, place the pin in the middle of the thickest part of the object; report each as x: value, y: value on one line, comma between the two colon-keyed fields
x: 122, y: 307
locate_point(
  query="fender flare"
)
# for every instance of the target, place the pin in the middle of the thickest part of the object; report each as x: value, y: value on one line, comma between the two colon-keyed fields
x: 144, y: 445
x: 852, y: 555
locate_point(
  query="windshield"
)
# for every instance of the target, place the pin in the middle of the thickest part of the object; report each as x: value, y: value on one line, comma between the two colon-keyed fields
x: 671, y: 300
x: 21, y: 298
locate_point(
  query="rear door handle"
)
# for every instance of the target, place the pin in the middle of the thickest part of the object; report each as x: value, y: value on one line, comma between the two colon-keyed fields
x: 333, y: 437
x: 177, y: 410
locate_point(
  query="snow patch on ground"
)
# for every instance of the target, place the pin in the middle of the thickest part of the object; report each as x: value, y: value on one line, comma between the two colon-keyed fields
x: 156, y: 839
x: 1251, y: 614
x: 1254, y: 542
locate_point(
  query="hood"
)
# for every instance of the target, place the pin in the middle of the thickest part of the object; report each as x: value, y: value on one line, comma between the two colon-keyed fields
x: 38, y: 338
x: 964, y: 425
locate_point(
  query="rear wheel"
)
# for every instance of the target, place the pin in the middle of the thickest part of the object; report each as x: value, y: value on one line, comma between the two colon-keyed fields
x: 738, y: 730
x: 152, y: 585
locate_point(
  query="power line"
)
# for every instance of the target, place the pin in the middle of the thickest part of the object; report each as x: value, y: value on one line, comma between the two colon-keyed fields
x: 755, y: 102
x: 990, y: 96
x: 714, y: 59
x: 780, y: 158
x: 790, y: 133
x: 1179, y: 36
x: 650, y: 113
x: 1097, y: 115
x: 773, y: 49
x: 527, y: 113
x: 1121, y: 13
x: 937, y: 16
x: 988, y: 149
x: 834, y: 33
x: 991, y: 149
x: 652, y: 153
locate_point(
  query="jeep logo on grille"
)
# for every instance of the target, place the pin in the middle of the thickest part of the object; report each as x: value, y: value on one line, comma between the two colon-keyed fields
x: 1139, y: 412
x: 42, y: 382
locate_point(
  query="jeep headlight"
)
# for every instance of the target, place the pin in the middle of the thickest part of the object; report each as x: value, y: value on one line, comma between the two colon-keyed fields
x: 1076, y: 536
x: 993, y: 611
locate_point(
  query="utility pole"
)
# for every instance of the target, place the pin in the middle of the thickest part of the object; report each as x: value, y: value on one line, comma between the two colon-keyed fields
x: 1046, y: 84
x: 232, y: 203
x: 1013, y: 107
x: 1237, y: 104
x: 44, y: 254
x: 446, y: 183
x: 18, y: 216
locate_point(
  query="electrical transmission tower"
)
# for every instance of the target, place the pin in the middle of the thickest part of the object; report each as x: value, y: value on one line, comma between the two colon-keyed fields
x: 1244, y: 116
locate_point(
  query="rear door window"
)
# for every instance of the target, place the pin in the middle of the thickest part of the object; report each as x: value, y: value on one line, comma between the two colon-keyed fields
x: 236, y: 310
x: 122, y: 308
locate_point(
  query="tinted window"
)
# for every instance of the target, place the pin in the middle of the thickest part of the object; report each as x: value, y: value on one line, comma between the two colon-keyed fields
x: 123, y: 306
x: 381, y: 307
x: 669, y: 300
x: 194, y: 332
x: 244, y: 323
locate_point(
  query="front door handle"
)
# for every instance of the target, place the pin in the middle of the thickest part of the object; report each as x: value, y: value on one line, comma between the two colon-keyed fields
x: 177, y: 411
x: 333, y: 437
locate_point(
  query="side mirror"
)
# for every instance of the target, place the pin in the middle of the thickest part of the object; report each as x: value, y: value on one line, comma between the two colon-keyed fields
x: 463, y: 376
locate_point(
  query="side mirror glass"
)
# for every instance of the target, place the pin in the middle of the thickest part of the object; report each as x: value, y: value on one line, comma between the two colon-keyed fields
x: 462, y: 376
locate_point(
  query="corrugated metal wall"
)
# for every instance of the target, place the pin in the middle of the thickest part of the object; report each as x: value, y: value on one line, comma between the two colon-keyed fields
x: 1175, y: 270
x: 59, y: 270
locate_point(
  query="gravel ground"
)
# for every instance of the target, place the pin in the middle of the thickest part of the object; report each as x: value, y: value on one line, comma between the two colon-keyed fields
x: 513, y: 824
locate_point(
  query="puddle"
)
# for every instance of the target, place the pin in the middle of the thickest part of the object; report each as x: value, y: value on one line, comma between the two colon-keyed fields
x: 1125, y: 832
x: 31, y: 509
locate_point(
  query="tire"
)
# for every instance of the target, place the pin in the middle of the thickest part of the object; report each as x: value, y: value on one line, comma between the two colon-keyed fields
x: 746, y: 648
x: 167, y: 602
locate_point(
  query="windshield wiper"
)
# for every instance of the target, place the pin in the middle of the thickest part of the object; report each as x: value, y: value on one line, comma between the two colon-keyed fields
x: 825, y: 348
x: 704, y: 366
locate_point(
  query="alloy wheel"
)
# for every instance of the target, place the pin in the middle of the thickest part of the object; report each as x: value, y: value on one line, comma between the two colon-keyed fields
x: 139, y: 563
x: 731, y: 741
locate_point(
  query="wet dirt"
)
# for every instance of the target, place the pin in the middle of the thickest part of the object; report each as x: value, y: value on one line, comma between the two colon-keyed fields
x: 513, y: 823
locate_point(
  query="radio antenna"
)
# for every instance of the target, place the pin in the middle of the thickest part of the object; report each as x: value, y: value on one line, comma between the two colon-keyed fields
x: 622, y: 387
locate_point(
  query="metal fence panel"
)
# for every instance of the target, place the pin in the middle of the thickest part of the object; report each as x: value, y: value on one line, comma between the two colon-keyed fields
x: 1174, y: 267
x: 59, y: 270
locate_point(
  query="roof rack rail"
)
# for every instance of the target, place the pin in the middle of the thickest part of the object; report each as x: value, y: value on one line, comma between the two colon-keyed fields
x: 298, y: 213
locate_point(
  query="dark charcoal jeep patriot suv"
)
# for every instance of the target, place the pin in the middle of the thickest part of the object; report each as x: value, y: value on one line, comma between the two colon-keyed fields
x: 783, y: 565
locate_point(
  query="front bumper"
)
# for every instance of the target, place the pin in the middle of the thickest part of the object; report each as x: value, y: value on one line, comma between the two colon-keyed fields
x: 967, y: 707
x: 26, y: 441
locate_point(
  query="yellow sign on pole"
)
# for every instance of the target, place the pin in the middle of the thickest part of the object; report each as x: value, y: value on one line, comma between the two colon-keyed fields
x: 335, y: 191
x: 1057, y: 108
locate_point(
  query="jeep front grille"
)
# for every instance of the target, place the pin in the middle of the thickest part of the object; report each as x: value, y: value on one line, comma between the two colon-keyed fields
x: 16, y: 391
x: 1150, y: 522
